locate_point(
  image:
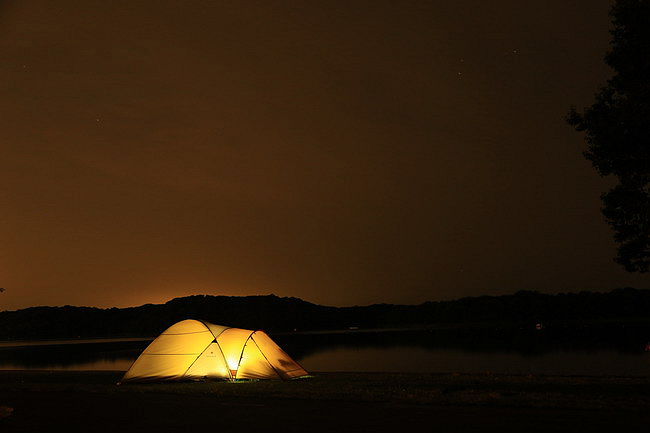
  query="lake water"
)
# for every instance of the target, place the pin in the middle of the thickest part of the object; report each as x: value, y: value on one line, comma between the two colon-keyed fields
x: 583, y: 352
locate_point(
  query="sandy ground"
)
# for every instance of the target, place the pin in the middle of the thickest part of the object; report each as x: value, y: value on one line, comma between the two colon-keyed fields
x: 329, y: 402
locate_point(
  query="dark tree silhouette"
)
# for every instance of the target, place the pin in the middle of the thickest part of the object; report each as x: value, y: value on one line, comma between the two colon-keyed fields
x: 617, y: 132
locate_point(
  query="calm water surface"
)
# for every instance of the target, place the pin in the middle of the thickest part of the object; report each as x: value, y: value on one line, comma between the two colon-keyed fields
x: 583, y: 353
x: 410, y: 359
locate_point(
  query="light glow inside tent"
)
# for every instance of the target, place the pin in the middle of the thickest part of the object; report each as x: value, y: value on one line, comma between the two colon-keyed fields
x: 232, y: 343
x: 192, y: 349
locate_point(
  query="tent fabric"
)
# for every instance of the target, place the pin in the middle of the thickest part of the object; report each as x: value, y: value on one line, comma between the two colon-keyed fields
x: 192, y: 349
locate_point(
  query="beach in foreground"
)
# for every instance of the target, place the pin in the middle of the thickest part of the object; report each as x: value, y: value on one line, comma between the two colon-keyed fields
x: 91, y: 401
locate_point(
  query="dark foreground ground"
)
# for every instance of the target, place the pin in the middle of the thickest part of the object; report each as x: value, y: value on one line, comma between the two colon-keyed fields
x: 42, y: 401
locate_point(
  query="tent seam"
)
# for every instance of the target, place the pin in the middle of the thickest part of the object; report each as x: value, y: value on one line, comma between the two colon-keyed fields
x: 174, y: 354
x: 197, y: 358
x: 223, y: 356
x: 264, y: 355
x: 138, y: 358
x: 188, y: 333
x: 241, y: 355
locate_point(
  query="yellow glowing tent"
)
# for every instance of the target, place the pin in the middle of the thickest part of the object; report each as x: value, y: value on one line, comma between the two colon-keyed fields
x: 192, y: 349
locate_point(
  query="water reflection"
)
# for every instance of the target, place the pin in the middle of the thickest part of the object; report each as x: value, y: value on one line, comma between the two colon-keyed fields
x: 72, y: 355
x: 609, y: 351
x: 606, y: 350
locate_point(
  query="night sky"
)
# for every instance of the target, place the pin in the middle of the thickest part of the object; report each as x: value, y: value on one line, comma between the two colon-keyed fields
x: 345, y: 153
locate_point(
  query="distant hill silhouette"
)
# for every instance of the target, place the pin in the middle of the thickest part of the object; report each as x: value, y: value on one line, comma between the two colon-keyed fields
x: 276, y: 314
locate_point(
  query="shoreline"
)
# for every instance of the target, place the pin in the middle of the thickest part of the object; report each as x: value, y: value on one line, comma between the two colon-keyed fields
x: 359, y: 373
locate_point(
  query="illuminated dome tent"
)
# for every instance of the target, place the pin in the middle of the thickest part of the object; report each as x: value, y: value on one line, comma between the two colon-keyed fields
x: 192, y: 349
